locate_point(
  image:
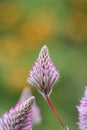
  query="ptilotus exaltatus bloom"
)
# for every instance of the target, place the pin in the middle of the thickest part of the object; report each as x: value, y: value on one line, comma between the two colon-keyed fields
x: 18, y: 117
x: 43, y: 76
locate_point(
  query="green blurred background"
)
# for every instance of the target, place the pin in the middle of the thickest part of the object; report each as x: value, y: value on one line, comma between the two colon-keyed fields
x: 25, y: 26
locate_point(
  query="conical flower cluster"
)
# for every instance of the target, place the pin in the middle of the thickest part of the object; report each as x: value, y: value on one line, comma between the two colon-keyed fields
x: 43, y: 74
x: 36, y: 114
x: 82, y: 115
x: 19, y: 117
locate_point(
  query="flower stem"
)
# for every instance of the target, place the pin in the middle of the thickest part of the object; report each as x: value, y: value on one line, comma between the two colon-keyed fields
x: 55, y: 111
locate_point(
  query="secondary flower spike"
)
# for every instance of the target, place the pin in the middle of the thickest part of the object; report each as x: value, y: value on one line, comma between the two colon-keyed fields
x: 43, y: 74
x: 19, y: 117
x: 36, y: 114
x: 82, y: 112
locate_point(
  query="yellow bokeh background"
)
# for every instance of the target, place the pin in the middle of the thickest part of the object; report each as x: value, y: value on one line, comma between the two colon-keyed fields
x: 25, y: 26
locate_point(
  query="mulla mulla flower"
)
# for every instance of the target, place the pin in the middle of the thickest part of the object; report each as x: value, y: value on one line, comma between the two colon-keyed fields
x: 82, y: 112
x: 18, y: 117
x: 43, y: 76
x: 36, y: 114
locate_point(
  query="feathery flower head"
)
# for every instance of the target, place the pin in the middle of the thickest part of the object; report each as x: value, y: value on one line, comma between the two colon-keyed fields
x: 43, y: 74
x: 26, y: 94
x: 19, y: 117
x: 82, y: 115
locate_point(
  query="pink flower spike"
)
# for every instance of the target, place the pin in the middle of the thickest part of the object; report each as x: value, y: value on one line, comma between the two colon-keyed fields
x: 44, y: 74
x: 82, y: 112
x: 19, y: 117
x: 36, y: 114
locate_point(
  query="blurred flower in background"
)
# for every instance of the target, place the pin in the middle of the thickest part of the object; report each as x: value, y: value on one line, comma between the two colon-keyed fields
x: 79, y: 4
x: 10, y: 14
x: 76, y: 28
x: 10, y: 48
x: 19, y: 33
x: 37, y: 27
x: 17, y: 77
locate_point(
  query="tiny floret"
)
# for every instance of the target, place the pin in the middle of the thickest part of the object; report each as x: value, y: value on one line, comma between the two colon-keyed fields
x: 43, y: 74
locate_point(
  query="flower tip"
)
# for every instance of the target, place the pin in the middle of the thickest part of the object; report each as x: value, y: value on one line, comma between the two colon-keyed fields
x: 44, y: 48
x: 29, y: 102
x: 31, y: 99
